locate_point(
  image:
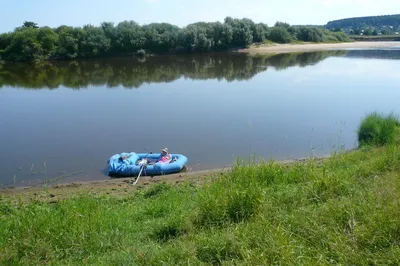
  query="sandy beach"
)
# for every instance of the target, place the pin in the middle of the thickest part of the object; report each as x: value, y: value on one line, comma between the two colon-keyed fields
x: 119, y: 187
x: 311, y: 47
x: 115, y: 186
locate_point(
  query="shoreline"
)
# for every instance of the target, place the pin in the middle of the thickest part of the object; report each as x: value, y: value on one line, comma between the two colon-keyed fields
x: 313, y: 47
x: 53, y: 193
x: 118, y: 186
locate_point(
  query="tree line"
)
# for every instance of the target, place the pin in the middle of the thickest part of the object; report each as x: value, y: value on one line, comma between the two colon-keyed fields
x: 372, y: 25
x: 130, y: 73
x: 31, y: 42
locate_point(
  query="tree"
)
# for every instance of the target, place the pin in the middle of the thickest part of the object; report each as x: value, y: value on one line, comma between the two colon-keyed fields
x: 242, y: 34
x: 31, y: 42
x: 357, y: 31
x: 30, y: 24
x: 24, y: 45
x: 361, y: 22
x: 367, y: 32
x: 260, y: 32
x: 93, y: 42
x: 282, y: 24
x: 280, y: 35
x: 68, y: 38
x: 308, y: 34
x: 48, y: 40
x: 385, y: 31
x: 129, y: 37
x: 160, y: 37
x: 110, y: 32
x: 5, y: 40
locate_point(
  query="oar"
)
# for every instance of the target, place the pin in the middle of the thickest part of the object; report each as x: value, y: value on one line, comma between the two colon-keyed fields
x: 142, y: 167
x: 137, y: 179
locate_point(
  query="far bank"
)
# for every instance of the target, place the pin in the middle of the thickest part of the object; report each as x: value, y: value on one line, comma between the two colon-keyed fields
x: 313, y: 47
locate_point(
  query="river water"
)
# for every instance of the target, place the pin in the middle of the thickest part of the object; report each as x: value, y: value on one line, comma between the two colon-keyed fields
x: 61, y: 121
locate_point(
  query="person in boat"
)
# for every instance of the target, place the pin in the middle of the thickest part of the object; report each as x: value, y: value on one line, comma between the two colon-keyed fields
x: 164, y: 157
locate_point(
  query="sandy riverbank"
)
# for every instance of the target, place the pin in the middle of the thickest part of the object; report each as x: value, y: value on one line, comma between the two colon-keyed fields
x: 311, y: 47
x: 115, y: 186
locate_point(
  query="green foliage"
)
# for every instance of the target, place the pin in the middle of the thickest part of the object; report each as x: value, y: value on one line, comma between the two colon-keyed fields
x: 30, y: 24
x: 314, y: 34
x: 31, y: 42
x: 282, y: 24
x: 280, y: 35
x: 260, y: 32
x: 5, y: 40
x: 93, y: 42
x: 68, y: 47
x: 378, y: 129
x: 387, y: 24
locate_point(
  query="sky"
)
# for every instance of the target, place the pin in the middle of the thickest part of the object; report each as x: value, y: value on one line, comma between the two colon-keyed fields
x: 54, y: 13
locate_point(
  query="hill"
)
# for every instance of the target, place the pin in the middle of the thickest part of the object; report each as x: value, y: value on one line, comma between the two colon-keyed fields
x: 389, y: 24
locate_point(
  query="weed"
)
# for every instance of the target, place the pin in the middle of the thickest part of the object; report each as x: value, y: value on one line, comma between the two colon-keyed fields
x: 378, y: 129
x: 156, y: 190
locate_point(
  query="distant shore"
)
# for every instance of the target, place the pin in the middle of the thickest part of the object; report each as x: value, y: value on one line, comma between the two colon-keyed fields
x: 312, y: 47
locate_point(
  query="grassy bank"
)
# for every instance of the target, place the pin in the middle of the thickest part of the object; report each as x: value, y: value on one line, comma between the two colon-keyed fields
x: 341, y: 210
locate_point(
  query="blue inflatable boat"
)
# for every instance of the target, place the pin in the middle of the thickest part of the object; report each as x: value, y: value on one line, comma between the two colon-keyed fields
x: 130, y: 164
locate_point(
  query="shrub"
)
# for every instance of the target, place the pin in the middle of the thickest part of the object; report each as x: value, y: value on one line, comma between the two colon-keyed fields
x: 280, y: 35
x: 378, y: 130
x: 141, y: 52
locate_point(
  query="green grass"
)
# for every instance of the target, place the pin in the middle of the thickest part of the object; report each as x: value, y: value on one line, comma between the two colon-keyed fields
x: 378, y: 129
x: 343, y: 210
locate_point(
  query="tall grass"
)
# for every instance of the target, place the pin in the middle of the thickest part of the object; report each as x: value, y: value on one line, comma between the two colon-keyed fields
x: 378, y: 129
x: 340, y: 211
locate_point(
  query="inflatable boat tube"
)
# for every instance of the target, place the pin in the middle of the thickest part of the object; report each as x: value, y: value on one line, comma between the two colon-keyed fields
x: 129, y: 167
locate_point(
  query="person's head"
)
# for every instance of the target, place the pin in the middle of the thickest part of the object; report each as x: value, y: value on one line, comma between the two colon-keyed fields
x: 164, y: 151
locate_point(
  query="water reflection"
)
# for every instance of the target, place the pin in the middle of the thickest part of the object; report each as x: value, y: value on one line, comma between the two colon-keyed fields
x: 133, y: 73
x: 388, y: 53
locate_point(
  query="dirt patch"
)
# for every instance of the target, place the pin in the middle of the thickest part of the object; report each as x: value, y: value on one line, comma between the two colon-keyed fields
x: 116, y: 187
x: 311, y: 47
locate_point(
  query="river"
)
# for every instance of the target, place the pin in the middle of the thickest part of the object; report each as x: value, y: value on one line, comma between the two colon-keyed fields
x: 61, y: 121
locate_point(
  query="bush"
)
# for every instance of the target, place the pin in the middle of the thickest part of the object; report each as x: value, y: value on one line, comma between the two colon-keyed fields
x: 312, y: 34
x: 341, y: 36
x: 280, y: 35
x: 378, y: 130
x: 141, y: 52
